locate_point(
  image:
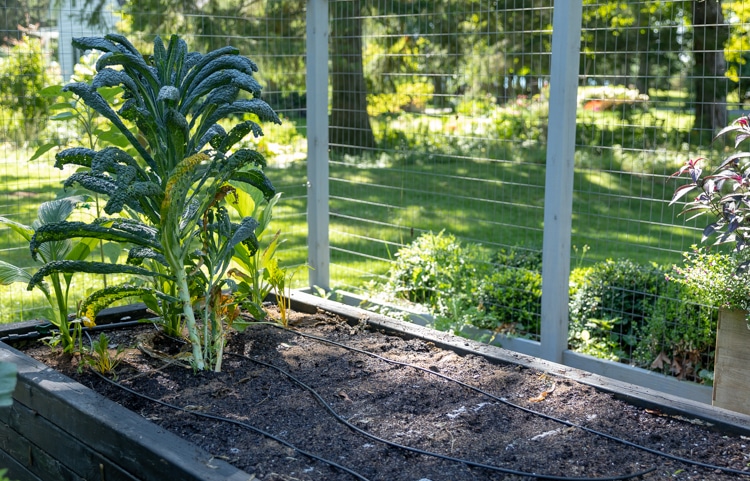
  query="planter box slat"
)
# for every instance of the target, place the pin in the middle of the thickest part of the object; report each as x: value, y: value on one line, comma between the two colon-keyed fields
x: 109, y: 430
x: 731, y: 376
x: 74, y: 455
x: 16, y: 472
x: 35, y: 461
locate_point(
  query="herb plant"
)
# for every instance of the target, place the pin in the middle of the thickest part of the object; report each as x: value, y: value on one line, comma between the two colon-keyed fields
x: 166, y: 203
x: 100, y: 358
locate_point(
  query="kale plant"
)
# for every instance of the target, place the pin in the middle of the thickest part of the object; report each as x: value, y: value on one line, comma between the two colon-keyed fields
x: 166, y: 203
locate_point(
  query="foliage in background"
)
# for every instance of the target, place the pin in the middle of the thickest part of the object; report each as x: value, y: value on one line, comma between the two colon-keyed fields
x: 435, y: 268
x: 615, y: 298
x: 512, y: 293
x: 679, y: 336
x: 619, y: 310
x: 23, y: 74
x: 715, y: 277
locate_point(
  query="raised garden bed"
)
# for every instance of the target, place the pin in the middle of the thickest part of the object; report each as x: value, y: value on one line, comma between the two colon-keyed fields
x: 42, y: 438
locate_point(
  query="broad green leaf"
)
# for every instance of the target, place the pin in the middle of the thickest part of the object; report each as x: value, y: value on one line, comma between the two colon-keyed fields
x: 63, y: 116
x: 61, y: 106
x: 112, y: 251
x: 59, y: 209
x: 43, y: 149
x: 23, y: 230
x: 8, y: 376
x: 10, y: 274
x: 51, y: 91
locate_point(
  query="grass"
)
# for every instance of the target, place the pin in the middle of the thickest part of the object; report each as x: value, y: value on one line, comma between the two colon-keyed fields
x: 462, y: 179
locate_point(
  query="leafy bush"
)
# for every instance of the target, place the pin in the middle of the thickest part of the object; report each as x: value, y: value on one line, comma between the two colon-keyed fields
x: 511, y: 295
x: 512, y: 299
x: 610, y: 305
x: 435, y: 268
x: 23, y: 74
x: 679, y: 336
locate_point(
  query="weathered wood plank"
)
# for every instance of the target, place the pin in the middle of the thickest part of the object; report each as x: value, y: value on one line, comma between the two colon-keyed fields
x: 16, y: 472
x: 67, y: 450
x: 139, y: 447
x: 32, y: 459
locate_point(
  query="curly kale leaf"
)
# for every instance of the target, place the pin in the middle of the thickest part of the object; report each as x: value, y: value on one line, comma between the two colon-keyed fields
x: 72, y: 267
x: 137, y: 255
x: 75, y: 156
x: 257, y: 179
x: 58, y: 231
x: 93, y: 99
x: 239, y: 132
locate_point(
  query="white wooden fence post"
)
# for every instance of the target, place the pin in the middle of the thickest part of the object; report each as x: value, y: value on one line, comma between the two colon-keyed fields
x: 317, y: 143
x: 558, y: 191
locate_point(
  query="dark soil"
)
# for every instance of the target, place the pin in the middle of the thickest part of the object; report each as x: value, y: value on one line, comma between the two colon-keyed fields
x: 400, y: 404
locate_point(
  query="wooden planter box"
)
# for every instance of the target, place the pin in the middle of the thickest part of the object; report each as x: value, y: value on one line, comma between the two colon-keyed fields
x: 732, y: 367
x: 57, y: 429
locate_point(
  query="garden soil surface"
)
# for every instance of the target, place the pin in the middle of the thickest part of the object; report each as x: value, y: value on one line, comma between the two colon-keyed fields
x: 397, y: 403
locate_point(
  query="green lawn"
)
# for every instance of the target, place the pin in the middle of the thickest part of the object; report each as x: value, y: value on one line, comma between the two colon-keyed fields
x: 381, y: 202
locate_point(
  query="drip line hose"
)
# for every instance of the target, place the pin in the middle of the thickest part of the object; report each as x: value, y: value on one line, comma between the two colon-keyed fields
x: 525, y: 409
x: 356, y: 429
x: 237, y: 423
x: 473, y: 464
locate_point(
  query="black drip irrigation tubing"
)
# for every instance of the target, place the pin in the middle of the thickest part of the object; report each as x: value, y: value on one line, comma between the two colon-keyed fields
x: 525, y: 409
x: 339, y: 418
x: 473, y: 464
x: 237, y: 423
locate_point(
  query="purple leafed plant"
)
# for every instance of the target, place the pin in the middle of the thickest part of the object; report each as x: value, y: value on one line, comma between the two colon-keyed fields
x: 723, y: 196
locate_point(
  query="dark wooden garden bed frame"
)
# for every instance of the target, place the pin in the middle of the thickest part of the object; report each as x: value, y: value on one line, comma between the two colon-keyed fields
x: 57, y: 429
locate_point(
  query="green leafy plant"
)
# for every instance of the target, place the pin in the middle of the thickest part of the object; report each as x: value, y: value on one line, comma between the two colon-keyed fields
x: 435, y: 268
x: 724, y: 196
x: 610, y: 304
x: 679, y: 336
x: 62, y: 250
x: 100, y: 357
x: 23, y: 73
x: 170, y: 195
x: 252, y: 265
x: 280, y: 279
x: 512, y: 299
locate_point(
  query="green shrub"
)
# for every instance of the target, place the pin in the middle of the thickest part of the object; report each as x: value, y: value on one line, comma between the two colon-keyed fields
x: 512, y: 296
x: 679, y: 336
x: 23, y: 74
x: 611, y: 304
x: 435, y: 268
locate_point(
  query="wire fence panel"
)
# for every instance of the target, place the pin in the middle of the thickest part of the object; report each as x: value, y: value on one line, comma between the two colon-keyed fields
x: 39, y: 54
x: 439, y: 124
x: 654, y: 89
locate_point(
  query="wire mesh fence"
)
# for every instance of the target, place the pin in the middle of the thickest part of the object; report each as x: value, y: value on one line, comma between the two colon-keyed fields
x: 439, y: 119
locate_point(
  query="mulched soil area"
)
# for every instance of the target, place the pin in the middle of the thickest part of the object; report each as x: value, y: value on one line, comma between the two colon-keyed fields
x: 394, y: 406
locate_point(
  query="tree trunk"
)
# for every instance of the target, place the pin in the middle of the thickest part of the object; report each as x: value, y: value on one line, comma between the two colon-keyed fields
x: 709, y: 35
x: 349, y: 130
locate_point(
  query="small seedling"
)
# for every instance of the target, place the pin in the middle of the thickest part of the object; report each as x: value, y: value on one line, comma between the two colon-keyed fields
x: 100, y: 357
